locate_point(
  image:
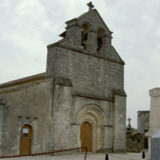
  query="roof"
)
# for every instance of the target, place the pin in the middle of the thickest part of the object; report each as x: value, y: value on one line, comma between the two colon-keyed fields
x: 94, y: 10
x: 86, y: 14
x: 23, y: 80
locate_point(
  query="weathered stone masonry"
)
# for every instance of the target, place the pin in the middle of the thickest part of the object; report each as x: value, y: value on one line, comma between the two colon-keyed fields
x: 84, y: 82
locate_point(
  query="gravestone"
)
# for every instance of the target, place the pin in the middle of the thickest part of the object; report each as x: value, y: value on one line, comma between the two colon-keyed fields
x: 155, y: 146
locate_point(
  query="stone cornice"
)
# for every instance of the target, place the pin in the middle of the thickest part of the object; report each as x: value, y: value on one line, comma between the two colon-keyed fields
x: 108, y: 125
x: 93, y: 97
x: 62, y: 81
x: 23, y: 80
x: 86, y: 53
x: 119, y: 92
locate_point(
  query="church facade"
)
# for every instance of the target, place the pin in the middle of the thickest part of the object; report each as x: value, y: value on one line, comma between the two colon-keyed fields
x: 79, y: 100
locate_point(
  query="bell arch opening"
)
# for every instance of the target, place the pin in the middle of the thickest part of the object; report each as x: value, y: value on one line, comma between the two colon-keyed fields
x: 100, y: 41
x: 84, y: 35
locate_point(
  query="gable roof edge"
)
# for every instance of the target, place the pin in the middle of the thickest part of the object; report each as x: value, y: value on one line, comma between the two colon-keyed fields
x: 103, y: 21
x: 84, y: 14
x: 118, y: 55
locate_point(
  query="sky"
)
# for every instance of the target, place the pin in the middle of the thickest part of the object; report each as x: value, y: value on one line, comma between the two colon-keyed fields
x: 28, y: 26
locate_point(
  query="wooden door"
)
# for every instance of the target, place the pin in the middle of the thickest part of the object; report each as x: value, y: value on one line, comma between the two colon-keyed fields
x: 26, y: 138
x: 86, y: 136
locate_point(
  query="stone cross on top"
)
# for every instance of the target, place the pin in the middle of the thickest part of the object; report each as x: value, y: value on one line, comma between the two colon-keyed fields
x: 129, y: 123
x: 90, y: 5
x: 129, y: 120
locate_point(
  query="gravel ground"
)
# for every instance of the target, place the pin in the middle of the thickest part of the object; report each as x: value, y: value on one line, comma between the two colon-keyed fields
x: 90, y: 156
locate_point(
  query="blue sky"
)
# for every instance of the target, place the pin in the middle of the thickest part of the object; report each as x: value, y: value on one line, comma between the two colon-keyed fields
x: 27, y: 27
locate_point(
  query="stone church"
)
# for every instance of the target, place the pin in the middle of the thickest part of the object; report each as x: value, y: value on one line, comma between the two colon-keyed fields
x: 79, y: 100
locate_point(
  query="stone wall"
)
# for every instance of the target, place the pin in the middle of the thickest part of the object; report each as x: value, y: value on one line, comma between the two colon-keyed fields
x: 2, y: 124
x: 119, y: 123
x: 80, y: 85
x: 89, y: 74
x: 154, y: 124
x: 71, y: 110
x: 143, y: 121
x: 99, y: 113
x: 95, y: 80
x: 62, y: 115
x: 31, y: 104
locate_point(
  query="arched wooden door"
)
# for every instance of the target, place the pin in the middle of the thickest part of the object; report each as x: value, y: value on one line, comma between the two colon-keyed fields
x: 86, y: 136
x: 26, y: 138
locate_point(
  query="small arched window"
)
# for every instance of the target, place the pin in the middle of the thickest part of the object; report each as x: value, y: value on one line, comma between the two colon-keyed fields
x: 84, y: 37
x: 100, y: 35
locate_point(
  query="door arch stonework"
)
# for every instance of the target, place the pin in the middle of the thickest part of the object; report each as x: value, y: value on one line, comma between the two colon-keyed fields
x: 94, y: 116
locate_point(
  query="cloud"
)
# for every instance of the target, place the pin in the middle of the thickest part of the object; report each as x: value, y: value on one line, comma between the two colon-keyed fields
x: 27, y: 27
